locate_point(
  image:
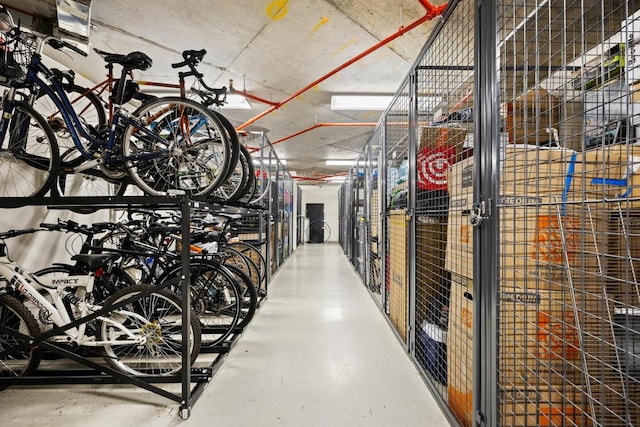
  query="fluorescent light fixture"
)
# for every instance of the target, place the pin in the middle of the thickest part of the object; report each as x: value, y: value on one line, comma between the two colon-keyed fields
x: 236, y: 102
x: 348, y: 163
x: 340, y: 162
x: 360, y: 102
x: 260, y: 160
x: 337, y: 178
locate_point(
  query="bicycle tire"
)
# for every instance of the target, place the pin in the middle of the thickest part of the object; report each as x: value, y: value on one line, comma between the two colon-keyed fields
x: 90, y: 110
x: 262, y: 183
x: 244, y: 263
x: 256, y: 256
x: 16, y: 316
x: 249, y: 295
x: 233, y: 142
x: 159, y: 317
x: 247, y: 193
x: 240, y: 181
x: 184, y: 159
x: 29, y: 157
x: 216, y: 297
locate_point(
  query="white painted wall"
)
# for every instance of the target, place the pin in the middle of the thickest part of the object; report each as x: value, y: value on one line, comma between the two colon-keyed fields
x: 327, y: 194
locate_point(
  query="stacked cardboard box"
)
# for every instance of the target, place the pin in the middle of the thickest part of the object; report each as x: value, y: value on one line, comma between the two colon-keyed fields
x: 529, y: 115
x: 550, y: 273
x: 397, y: 271
x: 609, y: 172
x: 460, y: 350
x: 541, y: 365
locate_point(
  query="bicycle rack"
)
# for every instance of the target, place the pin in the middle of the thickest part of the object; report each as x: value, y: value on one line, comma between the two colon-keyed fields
x: 193, y: 380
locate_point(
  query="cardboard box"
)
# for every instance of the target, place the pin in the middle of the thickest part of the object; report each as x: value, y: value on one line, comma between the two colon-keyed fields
x: 398, y: 287
x: 543, y: 336
x: 610, y: 172
x: 431, y: 278
x: 551, y: 245
x: 546, y: 406
x: 534, y: 171
x: 434, y: 137
x: 460, y: 350
x: 459, y: 248
x: 528, y: 116
x: 622, y: 257
x: 539, y: 347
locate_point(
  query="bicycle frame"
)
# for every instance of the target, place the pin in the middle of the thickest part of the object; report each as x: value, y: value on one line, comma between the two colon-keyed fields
x: 55, y: 311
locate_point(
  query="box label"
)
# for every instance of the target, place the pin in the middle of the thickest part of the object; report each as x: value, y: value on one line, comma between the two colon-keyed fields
x: 551, y: 239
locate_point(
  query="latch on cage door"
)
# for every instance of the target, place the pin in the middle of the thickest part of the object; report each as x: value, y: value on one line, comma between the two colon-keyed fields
x: 476, y: 214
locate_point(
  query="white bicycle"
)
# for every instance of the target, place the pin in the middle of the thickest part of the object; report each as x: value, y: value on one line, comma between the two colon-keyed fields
x: 141, y: 336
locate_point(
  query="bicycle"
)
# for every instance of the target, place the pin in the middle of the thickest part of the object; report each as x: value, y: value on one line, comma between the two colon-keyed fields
x: 89, y: 105
x: 167, y: 146
x: 139, y: 329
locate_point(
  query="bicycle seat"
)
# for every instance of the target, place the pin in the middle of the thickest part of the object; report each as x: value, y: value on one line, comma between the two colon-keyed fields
x: 95, y: 261
x: 132, y: 61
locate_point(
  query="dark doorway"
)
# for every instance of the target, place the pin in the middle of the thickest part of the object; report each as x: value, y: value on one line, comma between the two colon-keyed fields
x: 315, y: 213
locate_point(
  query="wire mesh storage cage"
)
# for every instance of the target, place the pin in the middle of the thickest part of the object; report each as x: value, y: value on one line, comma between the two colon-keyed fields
x: 525, y: 141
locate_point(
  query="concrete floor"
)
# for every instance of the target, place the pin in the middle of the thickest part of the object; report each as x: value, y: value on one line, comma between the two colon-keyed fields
x: 318, y: 353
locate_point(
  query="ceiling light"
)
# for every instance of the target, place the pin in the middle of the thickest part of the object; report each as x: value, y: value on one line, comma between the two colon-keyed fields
x: 360, y: 102
x: 236, y: 102
x: 337, y: 178
x: 341, y: 163
x: 260, y: 160
x: 349, y: 163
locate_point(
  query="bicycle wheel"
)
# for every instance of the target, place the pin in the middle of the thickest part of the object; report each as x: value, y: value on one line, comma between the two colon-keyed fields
x: 178, y: 147
x: 233, y: 143
x: 29, y: 155
x: 157, y: 318
x: 249, y: 295
x: 90, y: 110
x: 15, y: 316
x: 87, y: 184
x: 262, y: 182
x: 235, y: 186
x: 256, y: 256
x: 239, y: 260
x: 247, y: 193
x: 215, y: 297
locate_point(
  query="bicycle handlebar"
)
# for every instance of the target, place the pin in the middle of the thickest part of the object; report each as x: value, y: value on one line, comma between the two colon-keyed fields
x: 191, y: 58
x: 15, y: 233
x: 59, y: 44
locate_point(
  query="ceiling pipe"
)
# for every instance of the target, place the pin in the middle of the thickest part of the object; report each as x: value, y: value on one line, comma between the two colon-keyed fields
x: 316, y: 126
x: 319, y: 125
x: 432, y: 12
x: 250, y: 96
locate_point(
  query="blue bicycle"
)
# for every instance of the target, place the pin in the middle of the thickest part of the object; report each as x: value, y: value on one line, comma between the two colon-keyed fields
x: 167, y: 146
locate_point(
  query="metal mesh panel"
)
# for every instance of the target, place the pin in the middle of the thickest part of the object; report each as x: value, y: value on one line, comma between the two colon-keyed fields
x: 569, y: 324
x: 444, y: 146
x: 375, y: 233
x: 397, y: 174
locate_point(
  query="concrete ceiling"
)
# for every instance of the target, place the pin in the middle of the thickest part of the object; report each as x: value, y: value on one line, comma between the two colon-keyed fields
x: 270, y: 48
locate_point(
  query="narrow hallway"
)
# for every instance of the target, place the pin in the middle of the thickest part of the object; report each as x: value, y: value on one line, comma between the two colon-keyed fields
x: 319, y: 353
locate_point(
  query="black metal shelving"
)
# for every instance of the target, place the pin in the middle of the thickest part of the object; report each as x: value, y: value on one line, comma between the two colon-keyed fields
x: 193, y: 380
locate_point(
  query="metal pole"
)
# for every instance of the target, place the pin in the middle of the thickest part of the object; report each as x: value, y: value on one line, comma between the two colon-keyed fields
x: 411, y: 210
x: 185, y: 405
x: 487, y: 154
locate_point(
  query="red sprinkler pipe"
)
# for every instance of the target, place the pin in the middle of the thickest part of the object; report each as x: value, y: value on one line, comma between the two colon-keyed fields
x: 250, y: 96
x: 317, y: 125
x: 432, y: 12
